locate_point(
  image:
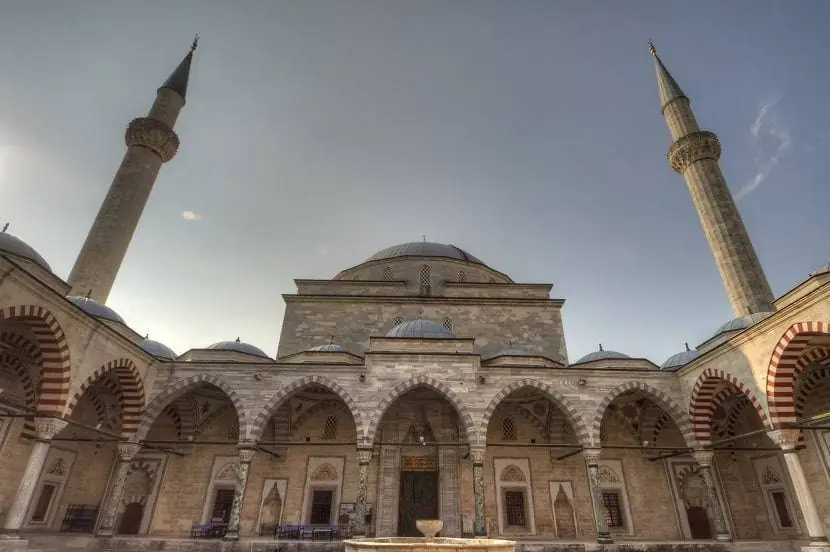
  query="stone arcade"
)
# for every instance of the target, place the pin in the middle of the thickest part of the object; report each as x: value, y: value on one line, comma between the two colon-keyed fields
x: 446, y: 391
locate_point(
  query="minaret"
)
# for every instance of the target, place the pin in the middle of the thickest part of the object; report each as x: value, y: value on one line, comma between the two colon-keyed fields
x: 695, y: 154
x: 150, y: 142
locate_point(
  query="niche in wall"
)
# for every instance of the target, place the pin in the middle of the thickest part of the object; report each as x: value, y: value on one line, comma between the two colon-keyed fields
x: 774, y: 485
x: 514, y: 496
x: 49, y: 489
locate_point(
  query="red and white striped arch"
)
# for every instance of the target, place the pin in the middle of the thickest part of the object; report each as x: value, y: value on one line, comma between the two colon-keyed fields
x: 54, y: 351
x: 802, y: 344
x: 130, y: 391
x: 711, y: 389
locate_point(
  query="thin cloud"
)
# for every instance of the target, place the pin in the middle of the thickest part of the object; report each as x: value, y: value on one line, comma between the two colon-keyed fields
x: 190, y: 215
x: 772, y: 140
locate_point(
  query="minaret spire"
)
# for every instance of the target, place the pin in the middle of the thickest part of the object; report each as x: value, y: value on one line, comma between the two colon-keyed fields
x: 151, y: 142
x: 695, y: 154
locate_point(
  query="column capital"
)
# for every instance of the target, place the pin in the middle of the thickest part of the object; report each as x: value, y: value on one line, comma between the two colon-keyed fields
x: 128, y: 449
x: 704, y: 457
x: 246, y: 454
x: 592, y: 455
x: 477, y: 454
x: 47, y: 428
x: 364, y: 454
x: 787, y: 439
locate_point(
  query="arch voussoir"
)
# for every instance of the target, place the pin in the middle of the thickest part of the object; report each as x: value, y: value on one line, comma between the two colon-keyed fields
x: 665, y: 401
x: 54, y: 353
x: 176, y: 389
x: 793, y: 352
x: 552, y: 394
x: 706, y: 398
x: 257, y: 427
x: 414, y: 383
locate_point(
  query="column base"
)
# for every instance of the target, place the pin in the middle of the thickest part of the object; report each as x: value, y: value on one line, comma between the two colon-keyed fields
x: 605, y: 539
x: 723, y: 537
x: 13, y: 542
x: 816, y: 546
x: 105, y: 533
x: 231, y: 536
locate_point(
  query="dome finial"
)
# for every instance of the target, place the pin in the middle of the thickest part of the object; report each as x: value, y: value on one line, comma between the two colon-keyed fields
x: 509, y: 342
x: 331, y: 340
x: 652, y: 50
x: 237, y: 340
x: 600, y: 347
x: 146, y: 336
x: 5, y: 227
x: 749, y: 309
x: 687, y: 346
x: 424, y: 238
x: 89, y: 293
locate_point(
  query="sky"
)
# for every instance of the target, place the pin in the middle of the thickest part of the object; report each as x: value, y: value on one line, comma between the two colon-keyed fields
x: 318, y: 131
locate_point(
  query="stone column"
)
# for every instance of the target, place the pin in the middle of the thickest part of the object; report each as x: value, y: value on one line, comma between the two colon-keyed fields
x: 46, y: 429
x: 479, y: 527
x: 364, y: 456
x: 704, y: 459
x: 246, y: 454
x: 787, y: 439
x: 592, y: 459
x: 106, y: 523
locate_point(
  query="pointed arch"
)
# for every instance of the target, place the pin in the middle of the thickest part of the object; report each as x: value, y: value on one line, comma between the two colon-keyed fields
x: 705, y: 400
x: 802, y: 344
x: 177, y: 389
x: 409, y: 385
x: 21, y: 374
x: 557, y: 398
x: 667, y: 403
x: 130, y: 392
x: 54, y: 353
x: 261, y: 421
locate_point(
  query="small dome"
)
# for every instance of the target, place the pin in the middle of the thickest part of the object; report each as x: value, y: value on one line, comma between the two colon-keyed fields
x: 418, y: 329
x: 329, y: 348
x: 602, y: 354
x: 96, y: 309
x: 17, y: 247
x: 514, y: 352
x: 424, y: 249
x: 239, y: 347
x: 675, y: 362
x: 742, y: 322
x: 821, y: 270
x: 157, y: 349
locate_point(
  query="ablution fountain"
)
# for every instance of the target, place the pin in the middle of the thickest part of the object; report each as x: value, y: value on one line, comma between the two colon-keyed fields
x: 429, y: 542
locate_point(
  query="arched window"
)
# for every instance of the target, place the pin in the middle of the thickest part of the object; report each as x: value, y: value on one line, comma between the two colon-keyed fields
x: 508, y: 429
x: 387, y: 274
x: 330, y: 428
x: 425, y: 275
x: 447, y: 323
x: 462, y: 276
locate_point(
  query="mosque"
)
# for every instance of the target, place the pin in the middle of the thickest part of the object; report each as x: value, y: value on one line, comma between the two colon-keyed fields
x: 419, y: 383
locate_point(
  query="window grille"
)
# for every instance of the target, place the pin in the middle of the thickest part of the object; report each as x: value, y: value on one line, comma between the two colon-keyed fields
x: 514, y: 508
x: 397, y: 320
x: 779, y: 500
x: 387, y: 274
x: 425, y: 275
x: 321, y: 507
x: 613, y: 510
x: 447, y: 323
x: 462, y: 276
x: 330, y: 428
x: 508, y: 429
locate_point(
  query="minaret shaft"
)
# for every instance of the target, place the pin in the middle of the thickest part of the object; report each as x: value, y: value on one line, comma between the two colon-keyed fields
x: 695, y: 154
x: 150, y: 143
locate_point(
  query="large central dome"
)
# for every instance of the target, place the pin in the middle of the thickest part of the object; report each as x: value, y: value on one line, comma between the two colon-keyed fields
x: 424, y: 249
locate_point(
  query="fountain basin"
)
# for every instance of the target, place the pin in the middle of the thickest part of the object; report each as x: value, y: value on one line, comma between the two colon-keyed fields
x: 420, y: 544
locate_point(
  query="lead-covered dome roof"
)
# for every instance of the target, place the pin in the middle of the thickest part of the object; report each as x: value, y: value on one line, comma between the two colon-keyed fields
x: 601, y: 354
x: 239, y: 347
x: 742, y: 322
x: 96, y: 309
x: 328, y: 348
x: 418, y: 329
x: 424, y: 249
x: 15, y: 246
x: 158, y: 349
x: 677, y: 361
